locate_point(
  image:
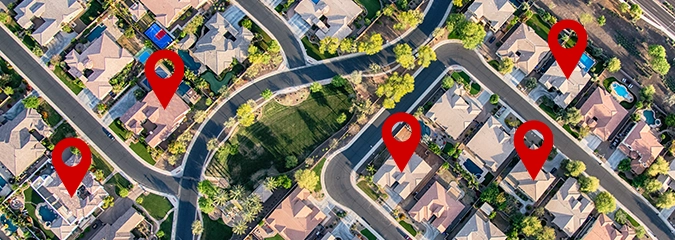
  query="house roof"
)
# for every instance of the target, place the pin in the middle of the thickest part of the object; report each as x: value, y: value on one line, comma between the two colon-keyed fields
x: 339, y: 14
x: 605, y: 229
x: 570, y: 88
x: 491, y: 144
x: 137, y: 11
x: 216, y: 50
x: 166, y: 12
x: 121, y: 228
x: 569, y: 207
x: 436, y: 202
x: 150, y: 109
x: 404, y: 182
x: 18, y: 146
x: 54, y: 13
x: 496, y: 12
x: 104, y: 58
x: 533, y: 188
x: 642, y: 146
x: 454, y: 112
x: 602, y: 113
x: 479, y: 228
x: 525, y: 47
x: 296, y: 216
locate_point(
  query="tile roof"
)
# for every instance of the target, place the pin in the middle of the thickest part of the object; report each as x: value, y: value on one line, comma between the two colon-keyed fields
x: 436, y: 202
x: 496, y: 12
x: 569, y: 88
x: 404, y: 182
x: 150, y: 109
x: 339, y: 14
x: 18, y: 146
x: 525, y: 47
x: 570, y: 207
x: 642, y: 146
x: 479, y: 228
x: 602, y: 113
x: 533, y: 188
x: 54, y: 13
x: 296, y: 216
x: 491, y: 144
x: 454, y: 112
x: 167, y: 11
x: 605, y: 229
x: 121, y: 228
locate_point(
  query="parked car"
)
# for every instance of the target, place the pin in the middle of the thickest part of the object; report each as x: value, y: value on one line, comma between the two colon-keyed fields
x: 107, y: 133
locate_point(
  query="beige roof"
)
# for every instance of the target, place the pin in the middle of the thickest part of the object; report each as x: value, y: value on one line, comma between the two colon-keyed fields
x: 569, y: 207
x: 602, y: 113
x: 641, y: 145
x: 479, y: 228
x: 495, y: 12
x: 217, y: 51
x: 436, y: 202
x: 525, y: 47
x: 339, y: 14
x: 519, y: 177
x: 104, y: 58
x: 166, y: 120
x: 54, y: 13
x: 491, y: 144
x: 296, y: 216
x: 605, y: 229
x: 404, y: 182
x: 167, y: 11
x: 453, y: 112
x: 137, y: 11
x: 18, y: 147
x: 121, y: 228
x: 570, y: 88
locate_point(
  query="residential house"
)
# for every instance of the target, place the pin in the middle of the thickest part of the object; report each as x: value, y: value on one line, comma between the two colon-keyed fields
x: 295, y: 217
x: 149, y: 114
x: 570, y: 208
x: 121, y: 228
x: 526, y: 48
x: 225, y: 41
x: 330, y: 18
x: 491, y: 144
x: 520, y: 180
x: 642, y: 146
x: 400, y: 184
x: 19, y: 147
x: 668, y: 180
x: 492, y: 13
x: 166, y: 12
x: 46, y: 17
x: 602, y: 113
x: 98, y: 63
x: 137, y: 10
x: 72, y: 211
x: 605, y: 229
x: 567, y: 88
x: 480, y: 227
x: 453, y: 112
x: 436, y: 207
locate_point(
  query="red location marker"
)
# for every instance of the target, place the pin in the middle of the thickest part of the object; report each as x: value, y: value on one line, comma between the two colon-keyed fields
x: 567, y: 58
x: 401, y: 151
x: 164, y: 87
x: 533, y: 159
x: 71, y: 176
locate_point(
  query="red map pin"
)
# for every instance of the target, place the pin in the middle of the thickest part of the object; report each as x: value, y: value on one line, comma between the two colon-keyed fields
x: 401, y: 151
x: 164, y: 87
x: 533, y: 159
x: 567, y: 58
x: 71, y: 176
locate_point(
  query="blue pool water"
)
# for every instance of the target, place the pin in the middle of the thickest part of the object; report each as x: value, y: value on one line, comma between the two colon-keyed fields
x: 189, y: 62
x: 472, y: 168
x: 143, y: 55
x: 425, y: 129
x: 621, y: 90
x: 3, y: 182
x: 182, y: 89
x: 96, y: 32
x: 650, y: 118
x: 158, y: 36
x: 47, y: 214
x: 586, y: 63
x: 10, y: 225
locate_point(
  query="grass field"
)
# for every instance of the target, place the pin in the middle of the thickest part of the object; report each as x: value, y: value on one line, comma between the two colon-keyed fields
x: 64, y: 130
x: 282, y: 131
x: 53, y: 117
x: 93, y: 11
x: 120, y: 182
x: 313, y: 50
x: 366, y: 233
x: 99, y: 163
x: 67, y: 79
x: 166, y: 227
x: 215, y: 229
x: 408, y: 227
x: 142, y: 151
x: 372, y: 6
x: 317, y: 170
x: 539, y: 26
x: 461, y: 77
x: 363, y: 185
x: 118, y: 128
x: 156, y: 205
x: 276, y: 237
x: 548, y: 110
x: 31, y: 196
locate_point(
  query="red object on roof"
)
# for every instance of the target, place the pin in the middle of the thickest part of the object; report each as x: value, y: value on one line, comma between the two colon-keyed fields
x: 160, y: 34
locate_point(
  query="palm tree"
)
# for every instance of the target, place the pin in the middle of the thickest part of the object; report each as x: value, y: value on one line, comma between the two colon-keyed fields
x: 253, y: 204
x: 197, y: 227
x: 270, y: 183
x: 240, y: 228
x: 249, y: 216
x: 221, y: 198
x: 237, y: 192
x: 212, y: 144
x: 371, y: 169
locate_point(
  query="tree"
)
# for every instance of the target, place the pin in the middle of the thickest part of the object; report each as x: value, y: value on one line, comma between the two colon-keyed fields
x: 527, y: 15
x: 458, y: 3
x: 237, y: 192
x: 341, y: 118
x: 471, y: 35
x: 347, y: 45
x: 647, y: 93
x: 574, y: 168
x: 666, y: 200
x: 494, y: 99
x: 670, y: 120
x: 221, y: 198
x: 270, y: 183
x: 572, y: 116
x: 659, y: 166
x: 255, y: 56
x: 245, y: 114
x: 585, y: 18
x: 129, y: 33
x: 284, y: 181
x: 177, y: 147
x: 438, y: 32
x: 356, y: 77
x: 604, y: 202
x: 660, y: 65
x: 193, y: 25
x: 601, y: 20
x: 588, y: 184
x: 531, y: 226
x: 506, y: 65
x: 291, y: 161
x: 338, y: 81
x: 546, y: 233
x: 404, y: 56
x: 372, y: 45
x: 425, y: 55
x: 31, y: 102
x: 489, y: 194
x: 388, y: 11
x: 212, y: 144
x: 197, y: 227
x: 447, y: 82
x: 613, y: 65
x: 240, y: 228
x: 410, y: 18
x: 274, y: 47
x: 329, y: 44
x: 656, y: 51
x: 306, y: 179
x: 266, y: 94
x: 206, y: 188
x: 108, y: 202
x: 652, y: 185
x: 640, y: 232
x: 124, y: 192
x: 635, y: 11
x: 8, y: 90
x: 315, y: 87
x: 247, y: 23
x: 160, y: 234
x: 624, y: 7
x: 394, y: 88
x: 206, y: 205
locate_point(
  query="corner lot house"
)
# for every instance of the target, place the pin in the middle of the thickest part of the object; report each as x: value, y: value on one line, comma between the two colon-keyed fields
x: 224, y: 42
x: 568, y: 89
x: 436, y: 207
x: 570, y: 208
x: 46, y: 16
x: 642, y: 146
x: 328, y: 18
x: 520, y: 180
x: 605, y: 229
x: 149, y: 114
x: 453, y: 112
x: 492, y: 13
x: 295, y: 217
x: 166, y: 12
x: 480, y: 227
x: 526, y: 48
x: 491, y: 144
x: 98, y: 63
x: 602, y: 113
x: 399, y: 185
x: 121, y: 228
x: 18, y: 146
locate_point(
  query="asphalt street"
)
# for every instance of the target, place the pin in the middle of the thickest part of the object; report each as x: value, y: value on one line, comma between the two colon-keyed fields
x: 656, y: 12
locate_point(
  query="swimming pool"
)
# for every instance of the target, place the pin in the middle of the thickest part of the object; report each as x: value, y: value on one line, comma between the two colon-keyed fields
x: 158, y: 36
x: 47, y: 214
x: 586, y: 63
x: 650, y: 118
x: 621, y: 91
x: 11, y: 228
x: 96, y: 33
x: 3, y: 182
x: 188, y: 60
x: 182, y: 89
x: 472, y: 168
x: 143, y: 55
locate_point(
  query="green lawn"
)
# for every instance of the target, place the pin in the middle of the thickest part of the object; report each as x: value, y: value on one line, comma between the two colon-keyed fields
x: 31, y: 196
x: 52, y: 117
x: 64, y: 130
x: 475, y: 89
x: 494, y: 64
x: 574, y: 133
x: 156, y: 205
x: 120, y: 182
x: 408, y: 228
x: 366, y: 233
x: 142, y: 151
x: 93, y: 11
x: 29, y: 41
x: 214, y: 82
x: 313, y: 50
x: 215, y: 229
x: 317, y: 170
x: 67, y: 79
x: 539, y: 26
x: 548, y: 111
x: 166, y: 227
x: 607, y: 82
x: 461, y: 77
x: 372, y: 6
x: 99, y: 163
x: 118, y: 128
x: 363, y: 185
x: 282, y: 131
